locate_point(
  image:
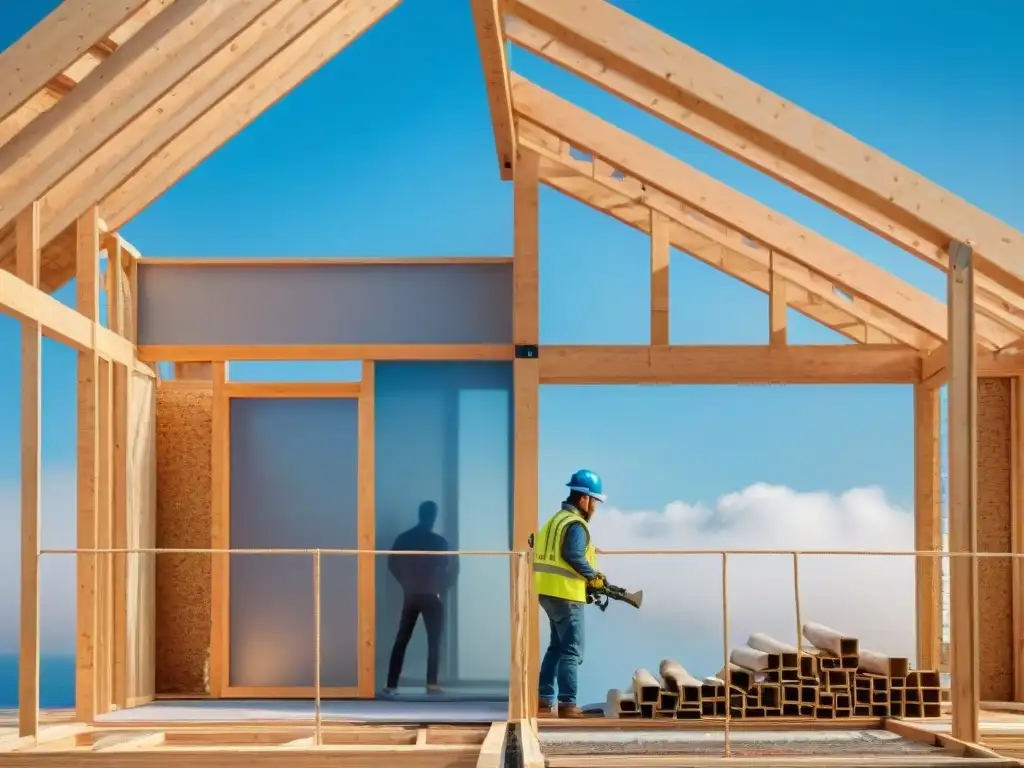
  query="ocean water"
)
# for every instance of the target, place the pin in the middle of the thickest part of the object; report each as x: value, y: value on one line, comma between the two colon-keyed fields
x: 56, y: 682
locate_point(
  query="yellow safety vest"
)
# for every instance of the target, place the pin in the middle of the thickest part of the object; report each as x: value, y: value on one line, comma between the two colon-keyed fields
x: 552, y: 575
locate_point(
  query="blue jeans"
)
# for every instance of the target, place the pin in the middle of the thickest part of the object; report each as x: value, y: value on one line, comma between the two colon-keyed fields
x: 565, y: 651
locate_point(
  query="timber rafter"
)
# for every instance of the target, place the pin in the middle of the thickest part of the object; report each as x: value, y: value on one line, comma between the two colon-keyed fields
x: 667, y: 78
x: 657, y: 175
x: 596, y: 184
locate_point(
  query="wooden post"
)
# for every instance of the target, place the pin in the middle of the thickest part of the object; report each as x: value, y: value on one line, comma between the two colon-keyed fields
x: 1017, y: 530
x: 27, y: 264
x: 220, y: 463
x: 366, y: 531
x: 526, y: 391
x: 104, y: 539
x: 87, y: 288
x: 963, y: 419
x: 776, y: 305
x: 117, y: 310
x: 927, y: 525
x: 660, y: 257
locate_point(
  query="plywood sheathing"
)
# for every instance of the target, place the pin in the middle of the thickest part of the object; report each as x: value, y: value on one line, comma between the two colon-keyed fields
x: 995, y: 585
x: 184, y: 485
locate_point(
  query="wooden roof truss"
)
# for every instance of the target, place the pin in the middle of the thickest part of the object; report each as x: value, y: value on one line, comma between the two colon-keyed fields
x: 108, y: 118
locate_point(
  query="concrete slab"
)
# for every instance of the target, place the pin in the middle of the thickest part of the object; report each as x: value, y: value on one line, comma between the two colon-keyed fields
x: 804, y: 743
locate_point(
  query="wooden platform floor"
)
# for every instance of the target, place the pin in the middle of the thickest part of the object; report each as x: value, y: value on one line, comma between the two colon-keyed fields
x: 1001, y: 730
x: 67, y: 745
x: 770, y: 743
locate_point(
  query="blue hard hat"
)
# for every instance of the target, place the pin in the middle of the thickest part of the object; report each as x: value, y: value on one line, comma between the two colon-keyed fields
x: 587, y: 482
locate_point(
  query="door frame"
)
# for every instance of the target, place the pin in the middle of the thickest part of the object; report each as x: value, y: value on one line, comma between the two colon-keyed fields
x: 220, y: 598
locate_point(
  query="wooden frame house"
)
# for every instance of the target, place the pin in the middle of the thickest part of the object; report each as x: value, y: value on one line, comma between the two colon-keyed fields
x: 108, y: 104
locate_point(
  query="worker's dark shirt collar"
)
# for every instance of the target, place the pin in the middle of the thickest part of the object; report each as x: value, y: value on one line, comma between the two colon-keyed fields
x: 567, y: 507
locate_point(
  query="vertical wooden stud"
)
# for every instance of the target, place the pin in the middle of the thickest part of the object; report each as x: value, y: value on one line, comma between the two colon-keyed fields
x: 119, y: 536
x: 27, y: 251
x: 776, y: 305
x: 132, y: 311
x: 117, y: 309
x: 220, y: 534
x: 116, y: 317
x: 963, y: 530
x: 104, y: 539
x: 366, y: 532
x: 526, y: 391
x: 1017, y: 530
x: 87, y: 289
x: 660, y: 257
x: 927, y: 526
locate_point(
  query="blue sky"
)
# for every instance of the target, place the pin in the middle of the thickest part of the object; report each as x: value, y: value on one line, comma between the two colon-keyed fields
x: 388, y: 151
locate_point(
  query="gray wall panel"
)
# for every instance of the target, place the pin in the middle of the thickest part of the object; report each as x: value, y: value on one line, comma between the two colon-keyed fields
x: 294, y: 467
x: 402, y: 303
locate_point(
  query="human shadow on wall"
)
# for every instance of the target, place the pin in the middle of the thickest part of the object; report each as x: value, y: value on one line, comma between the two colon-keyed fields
x: 425, y: 581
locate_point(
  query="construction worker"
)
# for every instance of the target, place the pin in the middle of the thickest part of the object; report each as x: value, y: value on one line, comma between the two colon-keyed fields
x: 565, y: 565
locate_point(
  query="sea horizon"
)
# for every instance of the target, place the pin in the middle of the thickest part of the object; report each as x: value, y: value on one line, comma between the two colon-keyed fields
x: 56, y: 681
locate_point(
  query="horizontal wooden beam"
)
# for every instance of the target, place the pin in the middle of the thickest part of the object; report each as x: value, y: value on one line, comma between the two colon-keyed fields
x: 288, y: 352
x: 935, y: 367
x: 160, y: 261
x: 284, y: 389
x: 59, y: 321
x: 817, y: 364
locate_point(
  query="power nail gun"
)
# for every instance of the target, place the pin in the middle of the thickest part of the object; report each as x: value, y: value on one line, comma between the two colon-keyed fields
x: 602, y: 595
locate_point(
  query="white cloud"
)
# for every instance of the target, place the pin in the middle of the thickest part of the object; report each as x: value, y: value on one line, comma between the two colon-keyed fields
x: 57, y: 572
x: 868, y: 597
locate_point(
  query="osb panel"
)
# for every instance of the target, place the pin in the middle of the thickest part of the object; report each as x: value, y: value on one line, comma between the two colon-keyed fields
x: 184, y: 486
x: 994, y: 518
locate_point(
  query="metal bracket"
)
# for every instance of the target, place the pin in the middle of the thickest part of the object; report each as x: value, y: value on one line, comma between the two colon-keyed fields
x: 959, y: 258
x: 527, y: 352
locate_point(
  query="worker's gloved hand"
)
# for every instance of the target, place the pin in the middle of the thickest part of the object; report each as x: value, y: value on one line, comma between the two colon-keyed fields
x: 597, y: 582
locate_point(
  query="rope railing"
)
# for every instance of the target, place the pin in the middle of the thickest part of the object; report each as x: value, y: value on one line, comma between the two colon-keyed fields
x: 522, y: 624
x: 507, y: 552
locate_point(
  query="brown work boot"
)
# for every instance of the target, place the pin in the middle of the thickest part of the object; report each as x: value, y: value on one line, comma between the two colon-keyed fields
x: 545, y: 710
x: 569, y: 711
